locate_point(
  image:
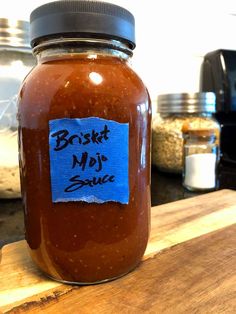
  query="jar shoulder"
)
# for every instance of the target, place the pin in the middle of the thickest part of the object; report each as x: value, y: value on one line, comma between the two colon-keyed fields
x: 83, y: 88
x: 101, y: 76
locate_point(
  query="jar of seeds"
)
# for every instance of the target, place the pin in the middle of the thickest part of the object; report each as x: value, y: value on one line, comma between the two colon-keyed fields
x: 176, y: 112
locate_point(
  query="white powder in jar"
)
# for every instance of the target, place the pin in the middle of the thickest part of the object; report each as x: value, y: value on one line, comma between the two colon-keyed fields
x: 200, y: 172
x: 9, y: 169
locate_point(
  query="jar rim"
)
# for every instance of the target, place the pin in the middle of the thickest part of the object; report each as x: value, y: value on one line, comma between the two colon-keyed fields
x: 75, y: 42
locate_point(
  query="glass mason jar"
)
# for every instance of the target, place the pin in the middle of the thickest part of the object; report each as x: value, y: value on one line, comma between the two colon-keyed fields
x: 201, y: 155
x: 16, y: 60
x: 84, y: 134
x: 175, y: 112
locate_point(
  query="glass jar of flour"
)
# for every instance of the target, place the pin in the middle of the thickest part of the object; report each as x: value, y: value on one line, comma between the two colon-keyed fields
x: 201, y: 153
x: 16, y: 60
x: 175, y: 112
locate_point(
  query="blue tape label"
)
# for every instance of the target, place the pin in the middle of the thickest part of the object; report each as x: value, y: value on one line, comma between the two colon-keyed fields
x: 89, y: 160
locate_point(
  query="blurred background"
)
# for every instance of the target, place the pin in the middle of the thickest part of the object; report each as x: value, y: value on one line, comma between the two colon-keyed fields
x: 172, y: 37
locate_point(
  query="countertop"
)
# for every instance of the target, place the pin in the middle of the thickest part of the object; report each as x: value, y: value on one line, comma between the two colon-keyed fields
x: 188, y: 267
x: 165, y: 188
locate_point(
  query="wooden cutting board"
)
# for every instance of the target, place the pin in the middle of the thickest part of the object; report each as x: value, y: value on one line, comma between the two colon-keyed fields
x: 189, y: 267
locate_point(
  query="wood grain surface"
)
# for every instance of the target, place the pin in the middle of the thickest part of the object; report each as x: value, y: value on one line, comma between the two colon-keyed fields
x: 189, y: 267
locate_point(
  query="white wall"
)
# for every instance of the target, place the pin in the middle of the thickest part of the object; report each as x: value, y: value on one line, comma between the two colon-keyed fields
x: 172, y: 37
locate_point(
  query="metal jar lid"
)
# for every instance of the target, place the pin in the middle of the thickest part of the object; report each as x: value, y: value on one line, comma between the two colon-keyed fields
x: 14, y: 33
x: 82, y: 18
x: 187, y: 103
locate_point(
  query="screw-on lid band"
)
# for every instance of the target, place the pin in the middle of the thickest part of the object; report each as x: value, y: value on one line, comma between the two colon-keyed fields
x: 82, y: 18
x: 14, y: 33
x: 187, y: 103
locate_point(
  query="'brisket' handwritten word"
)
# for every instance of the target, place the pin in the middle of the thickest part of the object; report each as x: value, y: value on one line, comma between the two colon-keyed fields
x: 64, y: 138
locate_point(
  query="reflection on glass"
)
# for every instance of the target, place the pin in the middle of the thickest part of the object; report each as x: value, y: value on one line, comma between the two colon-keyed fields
x: 96, y: 78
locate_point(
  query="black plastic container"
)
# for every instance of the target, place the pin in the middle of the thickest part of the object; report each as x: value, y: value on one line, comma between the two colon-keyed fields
x: 218, y: 75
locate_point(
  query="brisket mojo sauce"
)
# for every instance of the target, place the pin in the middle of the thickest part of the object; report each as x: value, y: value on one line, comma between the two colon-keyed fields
x: 78, y: 241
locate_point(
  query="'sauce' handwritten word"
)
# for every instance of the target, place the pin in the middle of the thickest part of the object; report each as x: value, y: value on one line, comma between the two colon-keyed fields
x: 78, y: 183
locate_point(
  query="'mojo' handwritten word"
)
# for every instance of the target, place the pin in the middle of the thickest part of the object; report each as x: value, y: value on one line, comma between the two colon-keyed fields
x: 89, y: 161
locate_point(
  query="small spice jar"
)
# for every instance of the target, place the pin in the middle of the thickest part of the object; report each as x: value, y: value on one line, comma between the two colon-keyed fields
x: 201, y: 153
x: 194, y: 110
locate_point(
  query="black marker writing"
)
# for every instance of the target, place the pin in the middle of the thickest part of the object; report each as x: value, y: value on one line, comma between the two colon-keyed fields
x: 89, y: 161
x: 64, y: 138
x: 79, y: 183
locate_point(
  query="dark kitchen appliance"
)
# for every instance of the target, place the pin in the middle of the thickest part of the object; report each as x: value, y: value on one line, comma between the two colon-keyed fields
x: 218, y: 75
